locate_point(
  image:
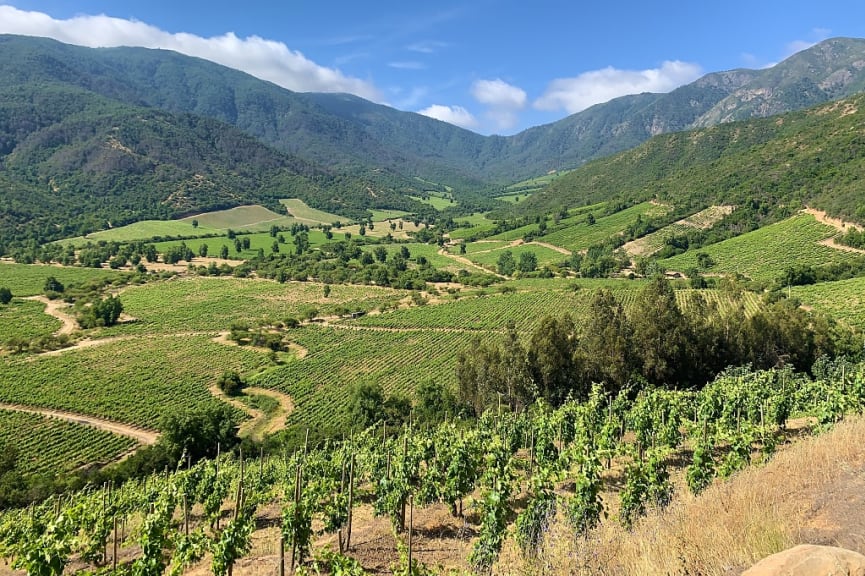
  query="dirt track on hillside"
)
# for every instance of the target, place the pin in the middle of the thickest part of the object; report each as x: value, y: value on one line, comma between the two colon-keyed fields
x: 142, y: 435
x: 56, y: 308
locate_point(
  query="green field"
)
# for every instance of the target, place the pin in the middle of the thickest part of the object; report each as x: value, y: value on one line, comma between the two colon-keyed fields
x: 260, y: 240
x: 576, y: 234
x: 380, y: 215
x: 25, y: 319
x: 49, y: 445
x: 241, y: 218
x: 143, y: 230
x: 545, y: 256
x: 765, y: 253
x: 437, y: 202
x: 138, y: 380
x: 843, y: 300
x: 298, y: 209
x: 207, y: 304
x: 416, y: 250
x: 29, y: 279
x: 253, y: 218
x: 515, y: 198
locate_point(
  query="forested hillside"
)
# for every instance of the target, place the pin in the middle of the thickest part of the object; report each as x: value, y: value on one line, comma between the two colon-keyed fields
x: 772, y: 165
x: 350, y: 133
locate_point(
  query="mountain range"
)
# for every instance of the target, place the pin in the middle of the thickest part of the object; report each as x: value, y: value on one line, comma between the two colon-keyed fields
x: 122, y: 134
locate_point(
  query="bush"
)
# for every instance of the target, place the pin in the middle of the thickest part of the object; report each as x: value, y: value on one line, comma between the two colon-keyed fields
x: 231, y: 383
x: 5, y: 295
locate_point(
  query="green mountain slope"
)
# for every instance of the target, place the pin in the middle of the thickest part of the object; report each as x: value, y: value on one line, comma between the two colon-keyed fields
x: 74, y: 162
x: 347, y: 132
x: 816, y: 157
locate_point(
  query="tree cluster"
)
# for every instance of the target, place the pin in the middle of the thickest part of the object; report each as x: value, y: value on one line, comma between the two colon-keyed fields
x: 656, y: 343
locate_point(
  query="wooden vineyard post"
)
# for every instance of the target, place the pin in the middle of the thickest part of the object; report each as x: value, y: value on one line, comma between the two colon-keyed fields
x: 350, y: 502
x: 281, y: 554
x: 114, y: 556
x: 185, y: 515
x: 410, y: 530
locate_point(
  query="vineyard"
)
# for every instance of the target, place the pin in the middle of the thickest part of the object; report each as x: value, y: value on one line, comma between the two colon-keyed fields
x: 765, y: 253
x: 504, y: 478
x: 48, y: 445
x: 29, y: 279
x: 493, y: 312
x: 25, y: 320
x: 842, y: 299
x: 137, y: 381
x: 545, y: 256
x: 194, y: 304
x: 651, y: 243
x: 337, y: 359
x: 580, y: 235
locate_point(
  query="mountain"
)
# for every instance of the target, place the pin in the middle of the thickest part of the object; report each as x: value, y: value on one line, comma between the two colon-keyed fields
x: 72, y: 162
x: 778, y: 164
x: 348, y: 133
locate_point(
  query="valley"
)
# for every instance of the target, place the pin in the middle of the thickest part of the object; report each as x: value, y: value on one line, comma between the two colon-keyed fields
x: 389, y: 345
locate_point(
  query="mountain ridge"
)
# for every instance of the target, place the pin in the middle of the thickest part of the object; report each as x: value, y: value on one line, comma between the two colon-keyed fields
x: 349, y: 133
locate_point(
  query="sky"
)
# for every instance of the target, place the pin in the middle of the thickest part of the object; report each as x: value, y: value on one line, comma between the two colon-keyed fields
x: 491, y: 66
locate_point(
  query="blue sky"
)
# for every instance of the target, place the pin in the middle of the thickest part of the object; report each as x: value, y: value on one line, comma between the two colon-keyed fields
x: 492, y: 66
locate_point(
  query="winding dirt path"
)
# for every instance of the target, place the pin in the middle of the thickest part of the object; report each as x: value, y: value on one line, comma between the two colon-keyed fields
x: 831, y: 243
x: 558, y: 249
x: 141, y: 435
x: 57, y: 309
x: 466, y: 262
x: 835, y: 223
x: 259, y: 423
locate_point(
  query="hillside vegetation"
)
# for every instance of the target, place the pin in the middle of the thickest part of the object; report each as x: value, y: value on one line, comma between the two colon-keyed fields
x: 769, y: 167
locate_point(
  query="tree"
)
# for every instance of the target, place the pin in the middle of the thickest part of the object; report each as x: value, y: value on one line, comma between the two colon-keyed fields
x: 195, y: 223
x: 660, y: 333
x: 5, y: 295
x: 551, y: 360
x: 202, y: 250
x: 53, y: 285
x: 528, y: 262
x: 506, y: 264
x: 102, y: 313
x: 367, y: 404
x: 380, y: 253
x: 197, y: 432
x: 435, y: 401
x: 230, y: 383
x: 301, y: 243
x: 605, y: 349
x: 590, y: 219
x: 223, y: 252
x: 326, y: 290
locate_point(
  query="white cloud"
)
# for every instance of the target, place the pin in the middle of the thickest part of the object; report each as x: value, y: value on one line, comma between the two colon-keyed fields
x: 456, y: 115
x: 819, y: 34
x: 407, y: 65
x: 498, y: 93
x: 265, y: 59
x: 589, y: 88
x: 427, y: 46
x: 503, y: 101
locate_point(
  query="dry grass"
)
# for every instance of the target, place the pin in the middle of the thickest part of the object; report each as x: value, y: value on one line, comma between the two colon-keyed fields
x: 810, y: 492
